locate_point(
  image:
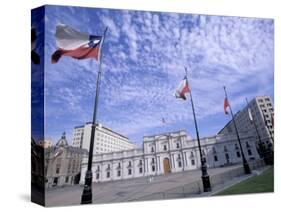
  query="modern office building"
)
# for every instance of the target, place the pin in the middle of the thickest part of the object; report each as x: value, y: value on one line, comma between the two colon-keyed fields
x: 262, y: 111
x: 106, y: 140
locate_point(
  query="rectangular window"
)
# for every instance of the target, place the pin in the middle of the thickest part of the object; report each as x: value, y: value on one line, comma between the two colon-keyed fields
x: 179, y: 164
x: 66, y: 179
x: 215, y: 158
x: 192, y: 162
x: 58, y: 170
x: 97, y: 176
x: 118, y: 173
x: 129, y: 171
x: 140, y: 170
x: 153, y: 168
x: 227, y: 157
x: 108, y: 174
x: 165, y: 147
x: 178, y: 145
x: 249, y: 152
x: 238, y: 154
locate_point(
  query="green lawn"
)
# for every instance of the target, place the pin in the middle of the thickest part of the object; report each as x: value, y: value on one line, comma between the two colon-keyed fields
x: 257, y: 184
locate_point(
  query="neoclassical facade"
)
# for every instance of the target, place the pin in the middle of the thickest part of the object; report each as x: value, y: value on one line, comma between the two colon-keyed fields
x: 170, y: 153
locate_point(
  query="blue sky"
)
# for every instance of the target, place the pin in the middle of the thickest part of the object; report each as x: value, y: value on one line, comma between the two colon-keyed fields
x: 144, y: 55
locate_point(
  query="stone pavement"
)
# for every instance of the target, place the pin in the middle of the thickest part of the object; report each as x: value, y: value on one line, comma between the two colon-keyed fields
x: 129, y: 190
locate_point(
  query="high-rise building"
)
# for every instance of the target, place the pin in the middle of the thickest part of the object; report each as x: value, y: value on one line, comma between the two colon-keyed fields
x: 262, y: 111
x: 106, y: 140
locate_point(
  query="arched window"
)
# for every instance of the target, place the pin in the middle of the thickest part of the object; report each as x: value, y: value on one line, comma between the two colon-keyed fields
x: 152, y: 149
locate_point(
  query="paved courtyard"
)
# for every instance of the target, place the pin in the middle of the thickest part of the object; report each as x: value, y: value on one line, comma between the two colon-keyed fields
x: 128, y: 190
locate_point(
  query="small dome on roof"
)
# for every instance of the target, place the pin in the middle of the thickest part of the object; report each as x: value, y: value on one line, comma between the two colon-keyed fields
x: 62, y: 141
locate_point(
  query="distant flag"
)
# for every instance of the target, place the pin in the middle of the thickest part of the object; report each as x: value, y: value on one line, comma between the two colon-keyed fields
x: 226, y: 105
x: 75, y: 44
x: 182, y: 89
x: 250, y: 114
x: 164, y: 121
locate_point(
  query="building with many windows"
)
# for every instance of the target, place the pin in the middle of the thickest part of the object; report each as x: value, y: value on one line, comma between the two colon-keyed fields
x: 62, y: 164
x: 262, y: 111
x: 170, y: 153
x: 106, y: 140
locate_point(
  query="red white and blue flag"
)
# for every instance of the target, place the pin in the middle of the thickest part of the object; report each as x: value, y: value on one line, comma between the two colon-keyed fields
x: 225, y: 105
x: 182, y: 89
x: 75, y: 44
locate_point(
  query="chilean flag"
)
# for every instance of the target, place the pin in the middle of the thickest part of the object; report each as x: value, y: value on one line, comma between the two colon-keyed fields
x: 75, y: 44
x: 225, y: 105
x: 182, y: 89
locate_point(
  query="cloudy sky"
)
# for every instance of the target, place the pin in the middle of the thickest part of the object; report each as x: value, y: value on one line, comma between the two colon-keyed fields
x: 144, y: 56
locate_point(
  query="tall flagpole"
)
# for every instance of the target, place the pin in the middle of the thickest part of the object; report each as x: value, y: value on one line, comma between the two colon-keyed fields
x: 205, y: 177
x: 87, y: 191
x: 247, y: 169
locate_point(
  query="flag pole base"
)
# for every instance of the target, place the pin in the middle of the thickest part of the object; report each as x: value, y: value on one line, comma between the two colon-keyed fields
x: 87, y: 197
x: 247, y: 169
x: 205, y: 178
x: 206, y: 183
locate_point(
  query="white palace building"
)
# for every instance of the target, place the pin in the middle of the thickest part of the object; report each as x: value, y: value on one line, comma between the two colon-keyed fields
x: 170, y: 153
